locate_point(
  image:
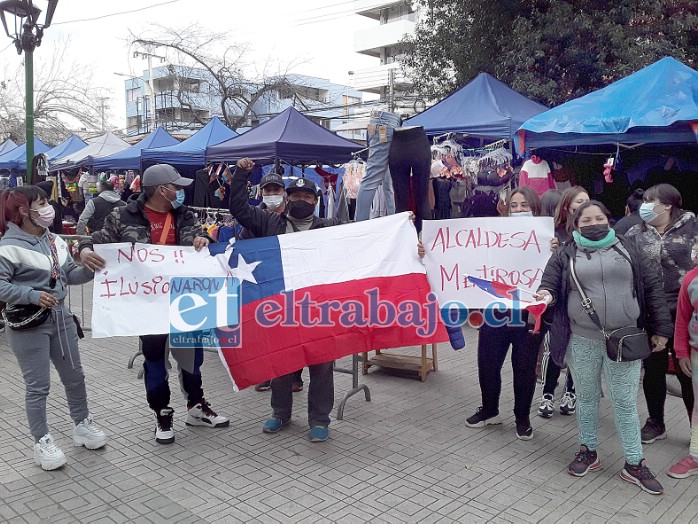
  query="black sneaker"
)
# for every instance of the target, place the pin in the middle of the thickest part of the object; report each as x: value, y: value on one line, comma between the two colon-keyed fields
x: 480, y: 419
x: 583, y: 462
x: 524, y: 431
x: 164, y: 434
x: 297, y: 386
x: 652, y: 431
x: 263, y: 386
x: 642, y: 477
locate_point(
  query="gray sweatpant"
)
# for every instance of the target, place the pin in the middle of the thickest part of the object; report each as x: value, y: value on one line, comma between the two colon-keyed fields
x: 56, y: 340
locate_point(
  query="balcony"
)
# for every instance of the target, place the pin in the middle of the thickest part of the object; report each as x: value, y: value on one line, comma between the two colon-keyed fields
x: 374, y: 79
x: 371, y: 41
x: 372, y: 8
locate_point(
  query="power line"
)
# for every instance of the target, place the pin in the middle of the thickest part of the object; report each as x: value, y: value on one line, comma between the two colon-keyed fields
x: 117, y: 14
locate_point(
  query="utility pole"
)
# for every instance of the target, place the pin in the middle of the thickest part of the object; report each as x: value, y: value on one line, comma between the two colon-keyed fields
x: 151, y: 84
x: 103, y: 107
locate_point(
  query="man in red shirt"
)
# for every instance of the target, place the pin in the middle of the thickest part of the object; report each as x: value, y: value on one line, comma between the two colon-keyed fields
x: 159, y: 216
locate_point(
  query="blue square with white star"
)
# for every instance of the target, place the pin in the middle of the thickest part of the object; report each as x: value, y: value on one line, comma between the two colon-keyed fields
x: 199, y: 305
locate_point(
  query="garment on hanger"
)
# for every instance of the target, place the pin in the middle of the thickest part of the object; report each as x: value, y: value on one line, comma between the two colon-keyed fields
x: 536, y: 174
x: 410, y: 164
x: 380, y: 133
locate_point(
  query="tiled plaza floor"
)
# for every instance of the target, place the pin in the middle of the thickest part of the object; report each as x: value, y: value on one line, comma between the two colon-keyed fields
x: 406, y: 456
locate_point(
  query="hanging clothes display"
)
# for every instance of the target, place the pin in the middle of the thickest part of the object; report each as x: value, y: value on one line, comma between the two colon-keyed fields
x: 536, y: 174
x: 380, y: 135
x: 409, y: 161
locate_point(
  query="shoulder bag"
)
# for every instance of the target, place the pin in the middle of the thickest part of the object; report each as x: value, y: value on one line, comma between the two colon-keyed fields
x: 623, y: 344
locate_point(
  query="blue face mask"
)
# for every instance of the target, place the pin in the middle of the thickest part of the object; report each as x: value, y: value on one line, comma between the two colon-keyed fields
x: 179, y: 199
x: 647, y: 212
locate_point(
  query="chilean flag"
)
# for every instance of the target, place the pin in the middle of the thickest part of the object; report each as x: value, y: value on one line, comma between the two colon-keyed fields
x: 495, y: 288
x: 316, y: 296
x: 501, y: 290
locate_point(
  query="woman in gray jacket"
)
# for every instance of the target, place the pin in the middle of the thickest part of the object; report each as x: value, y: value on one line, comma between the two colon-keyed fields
x: 617, y: 279
x: 35, y: 271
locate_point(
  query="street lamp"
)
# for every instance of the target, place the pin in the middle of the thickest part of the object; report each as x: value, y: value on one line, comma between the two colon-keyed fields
x: 27, y: 35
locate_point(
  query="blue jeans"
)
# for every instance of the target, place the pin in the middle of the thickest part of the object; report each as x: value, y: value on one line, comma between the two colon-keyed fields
x: 377, y: 171
x: 586, y: 359
x: 155, y: 377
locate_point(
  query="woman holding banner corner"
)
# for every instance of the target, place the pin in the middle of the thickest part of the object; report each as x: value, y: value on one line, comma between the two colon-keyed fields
x: 35, y: 271
x: 493, y: 345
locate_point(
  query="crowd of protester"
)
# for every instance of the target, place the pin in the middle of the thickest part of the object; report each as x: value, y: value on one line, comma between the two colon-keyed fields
x: 638, y: 272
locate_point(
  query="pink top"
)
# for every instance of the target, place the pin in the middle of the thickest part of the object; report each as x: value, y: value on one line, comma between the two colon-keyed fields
x: 536, y: 174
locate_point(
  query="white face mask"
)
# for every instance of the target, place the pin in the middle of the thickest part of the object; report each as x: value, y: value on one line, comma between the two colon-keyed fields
x: 521, y: 214
x: 273, y: 202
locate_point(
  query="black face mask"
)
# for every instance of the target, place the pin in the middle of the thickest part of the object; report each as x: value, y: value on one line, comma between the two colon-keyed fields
x: 595, y: 232
x: 300, y: 209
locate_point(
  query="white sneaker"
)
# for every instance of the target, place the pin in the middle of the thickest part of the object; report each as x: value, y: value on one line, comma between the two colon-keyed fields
x: 568, y: 403
x: 201, y: 414
x: 545, y: 408
x: 89, y: 434
x: 47, y: 454
x: 164, y: 432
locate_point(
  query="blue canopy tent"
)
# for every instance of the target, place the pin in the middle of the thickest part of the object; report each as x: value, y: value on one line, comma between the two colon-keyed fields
x: 71, y: 145
x: 131, y: 158
x: 16, y: 159
x: 7, y: 146
x: 189, y: 154
x: 290, y: 137
x: 484, y: 108
x: 656, y: 105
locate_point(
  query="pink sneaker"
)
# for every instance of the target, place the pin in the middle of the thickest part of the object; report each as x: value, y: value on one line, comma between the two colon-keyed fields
x: 684, y: 468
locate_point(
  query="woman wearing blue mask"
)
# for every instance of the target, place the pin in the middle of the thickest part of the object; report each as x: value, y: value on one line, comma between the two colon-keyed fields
x: 624, y: 291
x: 493, y: 346
x: 667, y: 236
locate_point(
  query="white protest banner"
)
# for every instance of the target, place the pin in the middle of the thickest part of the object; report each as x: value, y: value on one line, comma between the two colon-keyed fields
x: 513, y: 251
x: 131, y: 294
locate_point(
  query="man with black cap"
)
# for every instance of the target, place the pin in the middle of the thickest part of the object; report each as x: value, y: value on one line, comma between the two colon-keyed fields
x: 299, y: 215
x: 273, y: 199
x: 159, y: 216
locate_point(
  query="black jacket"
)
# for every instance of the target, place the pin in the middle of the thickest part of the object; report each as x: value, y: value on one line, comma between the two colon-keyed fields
x: 654, y: 312
x: 260, y: 222
x: 130, y: 223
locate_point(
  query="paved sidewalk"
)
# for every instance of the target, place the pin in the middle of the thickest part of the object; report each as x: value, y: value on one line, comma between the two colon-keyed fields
x: 406, y: 456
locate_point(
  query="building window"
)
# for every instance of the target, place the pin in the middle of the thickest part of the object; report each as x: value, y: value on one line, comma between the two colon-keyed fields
x: 132, y: 94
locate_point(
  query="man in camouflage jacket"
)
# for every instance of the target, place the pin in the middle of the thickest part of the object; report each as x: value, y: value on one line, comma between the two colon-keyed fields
x: 158, y: 216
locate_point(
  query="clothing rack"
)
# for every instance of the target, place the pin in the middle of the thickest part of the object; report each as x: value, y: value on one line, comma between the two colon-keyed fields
x: 220, y: 210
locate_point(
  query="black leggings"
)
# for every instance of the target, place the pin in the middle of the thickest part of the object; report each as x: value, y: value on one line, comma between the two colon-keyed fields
x: 654, y: 384
x: 410, y: 153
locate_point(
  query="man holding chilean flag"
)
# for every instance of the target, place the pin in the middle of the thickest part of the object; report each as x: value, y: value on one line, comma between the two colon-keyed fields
x: 311, y: 298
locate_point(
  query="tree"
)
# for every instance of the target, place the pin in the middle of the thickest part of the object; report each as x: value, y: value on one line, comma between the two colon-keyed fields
x: 224, y: 68
x: 552, y: 51
x: 64, y: 98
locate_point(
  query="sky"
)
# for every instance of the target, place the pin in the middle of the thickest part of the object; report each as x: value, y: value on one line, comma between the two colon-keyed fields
x: 317, y: 35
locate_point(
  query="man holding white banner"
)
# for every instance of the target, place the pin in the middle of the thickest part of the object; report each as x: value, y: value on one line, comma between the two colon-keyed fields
x: 158, y: 216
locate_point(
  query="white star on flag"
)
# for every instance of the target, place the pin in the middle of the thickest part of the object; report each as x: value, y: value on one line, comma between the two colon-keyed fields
x: 244, y: 271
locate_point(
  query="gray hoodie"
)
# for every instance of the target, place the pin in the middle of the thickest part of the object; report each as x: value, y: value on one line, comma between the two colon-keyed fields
x: 607, y: 279
x: 25, y: 267
x: 86, y: 215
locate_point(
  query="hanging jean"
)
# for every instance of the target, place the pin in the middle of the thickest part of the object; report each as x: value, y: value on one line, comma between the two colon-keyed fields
x: 379, y: 135
x: 410, y: 164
